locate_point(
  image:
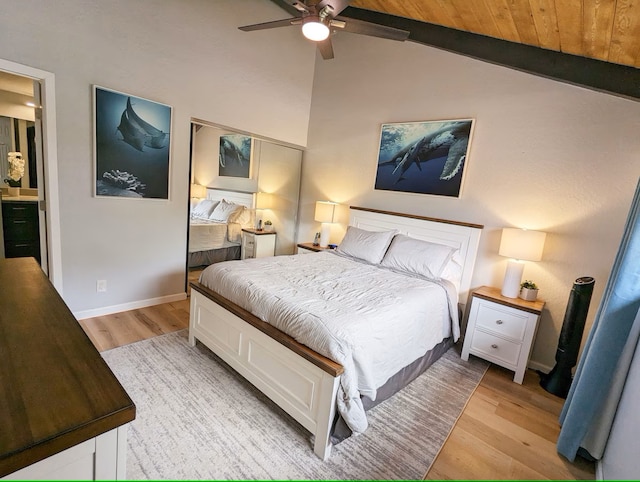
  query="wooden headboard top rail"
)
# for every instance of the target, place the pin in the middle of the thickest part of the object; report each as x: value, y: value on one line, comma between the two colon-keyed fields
x: 415, y: 216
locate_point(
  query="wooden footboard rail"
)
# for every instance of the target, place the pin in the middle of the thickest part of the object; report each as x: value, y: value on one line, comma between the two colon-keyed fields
x: 302, y: 382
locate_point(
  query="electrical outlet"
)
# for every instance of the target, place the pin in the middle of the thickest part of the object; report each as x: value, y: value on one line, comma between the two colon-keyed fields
x: 101, y: 285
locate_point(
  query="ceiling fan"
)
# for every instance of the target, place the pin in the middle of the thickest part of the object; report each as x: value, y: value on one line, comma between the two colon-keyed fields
x: 319, y: 17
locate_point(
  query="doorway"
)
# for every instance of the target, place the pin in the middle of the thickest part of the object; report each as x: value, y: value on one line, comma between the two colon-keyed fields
x: 47, y: 163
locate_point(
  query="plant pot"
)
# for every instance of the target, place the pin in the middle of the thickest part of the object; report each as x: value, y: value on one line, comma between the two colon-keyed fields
x: 528, y: 294
x: 268, y: 228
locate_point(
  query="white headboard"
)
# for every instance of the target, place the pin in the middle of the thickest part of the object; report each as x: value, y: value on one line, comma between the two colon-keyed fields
x: 243, y: 198
x: 463, y: 236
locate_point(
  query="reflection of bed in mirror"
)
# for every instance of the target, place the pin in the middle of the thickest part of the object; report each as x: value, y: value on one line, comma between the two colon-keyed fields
x: 338, y: 332
x: 215, y: 226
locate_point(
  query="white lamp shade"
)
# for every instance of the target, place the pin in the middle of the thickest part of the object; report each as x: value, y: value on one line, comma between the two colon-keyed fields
x: 263, y: 200
x: 326, y: 212
x: 198, y: 190
x: 314, y: 29
x: 522, y: 244
x: 519, y: 244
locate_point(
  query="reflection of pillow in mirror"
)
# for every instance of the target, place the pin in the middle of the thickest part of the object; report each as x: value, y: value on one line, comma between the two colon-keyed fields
x: 223, y: 210
x: 417, y: 256
x: 204, y: 208
x: 369, y: 246
x: 240, y: 216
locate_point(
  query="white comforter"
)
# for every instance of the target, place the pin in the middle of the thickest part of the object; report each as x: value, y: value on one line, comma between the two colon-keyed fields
x: 371, y: 320
x: 205, y: 234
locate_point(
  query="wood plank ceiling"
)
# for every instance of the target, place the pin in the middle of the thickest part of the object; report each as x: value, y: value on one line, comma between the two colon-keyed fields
x: 591, y: 43
x: 607, y: 30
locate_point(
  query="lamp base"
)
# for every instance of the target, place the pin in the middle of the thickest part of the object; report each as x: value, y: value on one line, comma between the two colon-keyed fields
x: 325, y: 234
x: 512, y: 279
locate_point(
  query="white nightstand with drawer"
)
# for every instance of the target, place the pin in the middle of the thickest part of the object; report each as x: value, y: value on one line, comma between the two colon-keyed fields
x: 501, y: 330
x: 257, y: 244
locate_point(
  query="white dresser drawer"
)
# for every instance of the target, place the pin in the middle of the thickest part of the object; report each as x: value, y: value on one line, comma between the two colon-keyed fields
x: 502, y: 320
x: 494, y: 347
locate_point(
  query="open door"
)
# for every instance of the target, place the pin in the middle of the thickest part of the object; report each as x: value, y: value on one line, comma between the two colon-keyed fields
x: 42, y: 203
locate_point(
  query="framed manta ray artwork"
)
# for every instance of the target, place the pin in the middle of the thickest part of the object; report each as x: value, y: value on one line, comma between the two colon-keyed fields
x: 132, y: 146
x: 424, y: 157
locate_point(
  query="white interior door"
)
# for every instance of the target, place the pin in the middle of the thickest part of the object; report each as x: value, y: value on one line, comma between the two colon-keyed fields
x: 42, y: 194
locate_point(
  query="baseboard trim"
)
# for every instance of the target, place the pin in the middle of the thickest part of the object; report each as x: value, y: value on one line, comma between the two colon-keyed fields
x: 534, y: 365
x: 134, y: 305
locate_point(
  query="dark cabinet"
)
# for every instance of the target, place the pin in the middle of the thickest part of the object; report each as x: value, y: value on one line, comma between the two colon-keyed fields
x: 21, y: 229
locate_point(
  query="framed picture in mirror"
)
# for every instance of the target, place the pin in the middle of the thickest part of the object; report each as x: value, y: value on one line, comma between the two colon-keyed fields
x: 132, y: 146
x: 235, y: 155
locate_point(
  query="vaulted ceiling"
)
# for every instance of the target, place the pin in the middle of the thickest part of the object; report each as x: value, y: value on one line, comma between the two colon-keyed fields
x: 592, y: 43
x: 607, y: 30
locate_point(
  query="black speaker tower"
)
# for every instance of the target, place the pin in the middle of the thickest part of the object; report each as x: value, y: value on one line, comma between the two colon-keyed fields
x: 558, y: 381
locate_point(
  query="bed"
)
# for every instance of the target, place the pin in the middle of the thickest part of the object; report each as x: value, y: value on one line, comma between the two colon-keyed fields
x: 215, y: 225
x: 366, y: 303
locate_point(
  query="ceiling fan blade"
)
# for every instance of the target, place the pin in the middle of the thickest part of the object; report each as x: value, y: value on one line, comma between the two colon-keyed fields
x: 293, y: 7
x: 326, y: 49
x: 372, y: 29
x: 276, y: 23
x: 337, y: 6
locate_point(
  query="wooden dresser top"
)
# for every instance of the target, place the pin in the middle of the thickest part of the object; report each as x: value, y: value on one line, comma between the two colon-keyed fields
x: 55, y: 389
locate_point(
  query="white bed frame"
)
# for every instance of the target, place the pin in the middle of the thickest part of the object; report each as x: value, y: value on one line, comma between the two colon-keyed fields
x: 243, y: 198
x: 302, y: 382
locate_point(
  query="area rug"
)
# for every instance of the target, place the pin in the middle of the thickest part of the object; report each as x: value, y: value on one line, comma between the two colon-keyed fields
x: 197, y: 419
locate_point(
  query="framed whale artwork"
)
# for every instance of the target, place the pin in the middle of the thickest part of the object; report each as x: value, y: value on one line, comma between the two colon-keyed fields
x: 235, y: 155
x: 424, y: 157
x: 132, y: 146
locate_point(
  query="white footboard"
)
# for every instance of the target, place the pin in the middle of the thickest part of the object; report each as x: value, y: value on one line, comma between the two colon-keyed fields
x: 304, y: 390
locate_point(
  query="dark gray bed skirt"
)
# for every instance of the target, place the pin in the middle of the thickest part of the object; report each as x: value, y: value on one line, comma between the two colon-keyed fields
x: 396, y: 383
x: 205, y: 258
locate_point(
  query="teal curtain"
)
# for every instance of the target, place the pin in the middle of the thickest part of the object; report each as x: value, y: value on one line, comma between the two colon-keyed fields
x: 589, y: 410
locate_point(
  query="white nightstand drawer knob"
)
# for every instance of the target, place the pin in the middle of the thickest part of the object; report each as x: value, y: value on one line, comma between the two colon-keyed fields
x: 499, y: 322
x: 494, y: 346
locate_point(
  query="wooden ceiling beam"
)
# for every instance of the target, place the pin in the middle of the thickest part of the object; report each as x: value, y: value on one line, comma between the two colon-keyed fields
x: 594, y: 74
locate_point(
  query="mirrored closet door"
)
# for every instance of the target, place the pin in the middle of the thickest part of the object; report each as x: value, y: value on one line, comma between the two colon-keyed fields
x: 223, y: 159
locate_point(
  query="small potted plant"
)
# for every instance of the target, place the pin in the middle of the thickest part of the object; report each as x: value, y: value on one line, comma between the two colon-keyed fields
x: 528, y: 290
x: 16, y: 171
x: 268, y: 226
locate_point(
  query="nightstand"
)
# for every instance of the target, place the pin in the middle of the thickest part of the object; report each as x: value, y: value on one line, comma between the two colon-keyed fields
x: 501, y: 330
x: 308, y: 248
x: 258, y: 244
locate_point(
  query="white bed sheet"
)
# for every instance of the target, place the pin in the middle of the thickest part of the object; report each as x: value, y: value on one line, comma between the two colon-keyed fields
x: 205, y: 234
x: 371, y: 320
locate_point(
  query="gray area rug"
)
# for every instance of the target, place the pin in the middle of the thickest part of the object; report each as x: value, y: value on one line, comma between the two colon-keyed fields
x: 197, y: 419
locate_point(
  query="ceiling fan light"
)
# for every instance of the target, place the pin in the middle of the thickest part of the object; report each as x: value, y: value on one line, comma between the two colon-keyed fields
x: 314, y: 29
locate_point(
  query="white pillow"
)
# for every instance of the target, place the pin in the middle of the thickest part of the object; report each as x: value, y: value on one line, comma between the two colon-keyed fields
x: 417, y: 256
x: 369, y: 246
x: 453, y: 270
x: 204, y: 208
x: 240, y: 216
x: 223, y: 210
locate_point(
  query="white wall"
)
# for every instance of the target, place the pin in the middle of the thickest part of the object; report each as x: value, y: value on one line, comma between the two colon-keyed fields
x: 544, y: 155
x: 185, y: 53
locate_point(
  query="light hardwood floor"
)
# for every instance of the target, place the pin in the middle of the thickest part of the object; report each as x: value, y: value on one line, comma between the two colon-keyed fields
x: 507, y: 431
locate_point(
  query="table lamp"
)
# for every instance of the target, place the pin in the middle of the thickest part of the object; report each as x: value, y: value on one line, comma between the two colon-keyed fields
x: 326, y: 213
x: 519, y: 244
x: 198, y: 191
